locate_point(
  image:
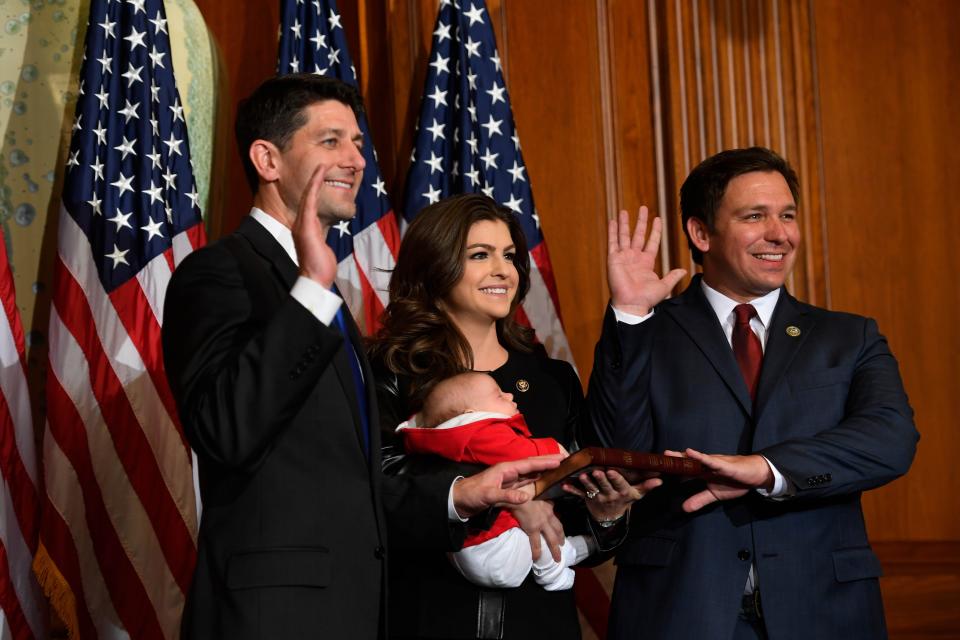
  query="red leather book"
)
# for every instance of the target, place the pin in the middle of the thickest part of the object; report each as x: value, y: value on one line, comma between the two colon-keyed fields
x: 549, y: 485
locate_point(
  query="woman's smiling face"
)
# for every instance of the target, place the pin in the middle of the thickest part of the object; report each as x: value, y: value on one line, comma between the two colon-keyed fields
x: 488, y: 285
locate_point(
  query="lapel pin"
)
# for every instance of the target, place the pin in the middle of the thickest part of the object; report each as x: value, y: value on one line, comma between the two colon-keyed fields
x: 793, y: 331
x: 522, y: 385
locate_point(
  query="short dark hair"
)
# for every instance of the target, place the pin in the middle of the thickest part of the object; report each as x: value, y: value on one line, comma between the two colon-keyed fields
x: 274, y: 111
x: 703, y: 190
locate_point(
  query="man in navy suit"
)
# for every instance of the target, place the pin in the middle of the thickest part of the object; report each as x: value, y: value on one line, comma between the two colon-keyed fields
x: 801, y: 408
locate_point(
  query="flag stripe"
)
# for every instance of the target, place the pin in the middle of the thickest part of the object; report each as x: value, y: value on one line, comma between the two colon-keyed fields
x: 185, y: 243
x: 390, y: 232
x: 17, y: 575
x: 9, y: 603
x: 541, y: 258
x: 544, y: 318
x: 128, y: 439
x: 127, y: 592
x: 69, y: 549
x: 21, y: 603
x: 351, y: 289
x: 374, y: 260
x: 592, y: 600
x: 372, y: 306
x: 131, y: 301
x: 23, y: 493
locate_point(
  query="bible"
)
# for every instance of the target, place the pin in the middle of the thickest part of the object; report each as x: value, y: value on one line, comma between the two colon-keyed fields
x: 550, y: 484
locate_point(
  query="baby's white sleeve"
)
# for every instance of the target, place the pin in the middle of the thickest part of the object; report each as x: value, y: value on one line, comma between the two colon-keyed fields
x: 503, y: 561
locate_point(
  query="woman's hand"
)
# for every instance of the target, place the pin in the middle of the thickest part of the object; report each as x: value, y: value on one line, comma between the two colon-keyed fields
x: 608, y: 495
x: 537, y: 519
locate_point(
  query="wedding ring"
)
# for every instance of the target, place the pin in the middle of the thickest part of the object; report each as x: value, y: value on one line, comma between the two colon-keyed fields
x: 592, y: 494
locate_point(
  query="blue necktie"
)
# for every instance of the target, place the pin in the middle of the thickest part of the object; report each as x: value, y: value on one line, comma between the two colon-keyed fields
x: 358, y: 383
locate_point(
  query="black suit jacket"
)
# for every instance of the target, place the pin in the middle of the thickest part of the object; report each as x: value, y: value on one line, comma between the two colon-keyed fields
x: 831, y: 414
x: 293, y: 531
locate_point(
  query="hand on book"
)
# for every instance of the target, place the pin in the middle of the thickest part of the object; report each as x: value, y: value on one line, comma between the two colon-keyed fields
x: 608, y: 494
x: 730, y: 477
x: 499, y: 485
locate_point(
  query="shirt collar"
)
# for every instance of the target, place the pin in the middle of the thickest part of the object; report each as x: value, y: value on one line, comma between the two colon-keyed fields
x: 723, y: 306
x: 275, y: 228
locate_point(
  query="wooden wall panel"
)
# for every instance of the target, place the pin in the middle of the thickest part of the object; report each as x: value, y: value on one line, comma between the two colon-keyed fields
x: 736, y: 73
x: 888, y: 81
x: 557, y: 108
x: 889, y: 89
x: 633, y: 121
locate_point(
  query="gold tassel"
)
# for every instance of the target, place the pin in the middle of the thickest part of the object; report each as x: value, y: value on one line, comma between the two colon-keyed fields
x: 57, y: 590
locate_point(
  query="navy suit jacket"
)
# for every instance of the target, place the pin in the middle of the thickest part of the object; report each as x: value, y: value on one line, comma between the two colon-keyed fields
x: 295, y: 516
x: 831, y: 414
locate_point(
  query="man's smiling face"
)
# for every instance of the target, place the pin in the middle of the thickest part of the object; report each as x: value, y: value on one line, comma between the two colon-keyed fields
x: 752, y: 247
x: 330, y: 137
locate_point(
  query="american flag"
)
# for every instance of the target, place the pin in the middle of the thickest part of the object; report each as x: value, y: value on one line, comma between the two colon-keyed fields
x: 118, y: 532
x: 22, y: 608
x: 467, y: 143
x: 312, y: 41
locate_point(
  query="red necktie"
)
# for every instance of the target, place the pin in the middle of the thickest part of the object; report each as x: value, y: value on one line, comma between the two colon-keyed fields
x: 746, y: 347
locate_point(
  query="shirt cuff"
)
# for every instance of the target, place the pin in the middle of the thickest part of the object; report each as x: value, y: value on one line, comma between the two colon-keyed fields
x: 452, y: 514
x: 629, y: 318
x: 782, y: 488
x: 317, y: 299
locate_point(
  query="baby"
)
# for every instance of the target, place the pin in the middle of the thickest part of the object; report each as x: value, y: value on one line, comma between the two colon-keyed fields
x: 467, y: 418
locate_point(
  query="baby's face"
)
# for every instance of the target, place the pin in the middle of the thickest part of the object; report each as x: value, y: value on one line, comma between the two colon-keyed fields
x: 487, y: 396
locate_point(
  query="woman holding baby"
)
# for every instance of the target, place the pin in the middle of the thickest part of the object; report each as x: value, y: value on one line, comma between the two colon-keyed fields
x: 462, y: 271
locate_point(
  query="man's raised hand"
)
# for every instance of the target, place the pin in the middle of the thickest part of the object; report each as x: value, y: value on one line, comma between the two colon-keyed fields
x: 634, y: 285
x: 317, y: 260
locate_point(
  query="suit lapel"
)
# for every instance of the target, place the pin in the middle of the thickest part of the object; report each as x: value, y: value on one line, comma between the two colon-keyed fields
x: 287, y: 272
x: 268, y: 247
x: 782, y: 346
x: 697, y: 319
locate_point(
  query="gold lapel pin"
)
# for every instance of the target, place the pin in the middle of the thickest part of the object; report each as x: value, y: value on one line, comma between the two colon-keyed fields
x: 793, y: 331
x: 522, y: 385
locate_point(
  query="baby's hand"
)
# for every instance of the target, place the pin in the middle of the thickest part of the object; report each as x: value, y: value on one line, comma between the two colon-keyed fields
x: 529, y: 489
x: 563, y: 451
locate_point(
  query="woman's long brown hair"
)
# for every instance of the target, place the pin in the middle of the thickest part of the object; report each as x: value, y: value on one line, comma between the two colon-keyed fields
x: 417, y: 339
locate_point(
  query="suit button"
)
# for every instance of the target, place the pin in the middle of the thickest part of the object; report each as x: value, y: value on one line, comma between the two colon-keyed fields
x: 379, y: 552
x: 827, y: 478
x: 743, y: 554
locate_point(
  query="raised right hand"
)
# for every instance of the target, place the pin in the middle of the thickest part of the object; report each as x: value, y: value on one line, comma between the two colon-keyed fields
x: 634, y: 285
x: 317, y: 260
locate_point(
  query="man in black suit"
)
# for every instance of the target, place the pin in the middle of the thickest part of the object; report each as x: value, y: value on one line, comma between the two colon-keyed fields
x: 805, y: 405
x: 276, y: 396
